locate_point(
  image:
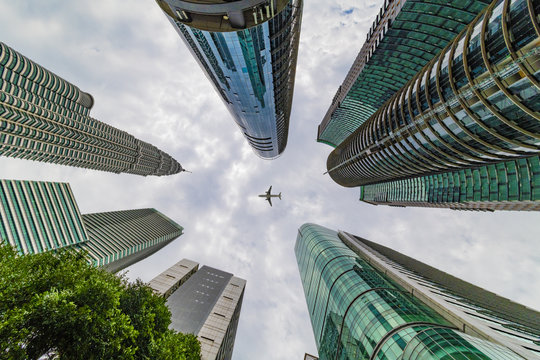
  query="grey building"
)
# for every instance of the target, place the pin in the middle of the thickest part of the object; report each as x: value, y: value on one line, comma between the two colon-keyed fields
x: 206, y: 303
x: 37, y: 216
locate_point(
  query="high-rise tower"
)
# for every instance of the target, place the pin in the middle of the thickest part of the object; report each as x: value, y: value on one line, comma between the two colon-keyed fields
x: 40, y: 216
x: 45, y: 118
x: 367, y: 301
x: 205, y: 302
x: 404, y: 37
x: 474, y: 106
x: 118, y: 239
x: 248, y: 50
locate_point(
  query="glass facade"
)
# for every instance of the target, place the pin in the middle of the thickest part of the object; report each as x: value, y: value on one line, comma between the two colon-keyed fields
x: 405, y: 36
x: 39, y: 216
x: 42, y: 216
x: 45, y: 118
x: 358, y: 312
x: 475, y: 104
x: 118, y: 239
x: 253, y: 70
x: 509, y: 185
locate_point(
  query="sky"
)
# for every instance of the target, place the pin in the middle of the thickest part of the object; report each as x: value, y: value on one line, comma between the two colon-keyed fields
x: 145, y: 81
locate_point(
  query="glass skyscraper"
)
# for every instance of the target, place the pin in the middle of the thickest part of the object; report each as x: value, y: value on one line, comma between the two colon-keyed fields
x: 248, y: 50
x: 40, y: 216
x: 367, y: 301
x: 404, y: 37
x: 45, y: 118
x: 509, y: 185
x: 474, y: 106
x: 205, y: 302
x: 118, y: 239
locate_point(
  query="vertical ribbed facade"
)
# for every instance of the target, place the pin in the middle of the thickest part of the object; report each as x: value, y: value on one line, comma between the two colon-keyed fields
x: 118, y: 239
x: 45, y: 118
x: 404, y: 37
x: 39, y: 216
x: 474, y: 106
x: 364, y: 305
x: 509, y: 185
x: 252, y: 64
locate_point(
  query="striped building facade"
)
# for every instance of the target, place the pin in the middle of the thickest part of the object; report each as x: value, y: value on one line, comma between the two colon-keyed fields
x: 39, y: 216
x: 118, y: 239
x: 45, y: 118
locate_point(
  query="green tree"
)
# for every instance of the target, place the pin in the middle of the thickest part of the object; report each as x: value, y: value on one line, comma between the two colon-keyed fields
x: 57, y: 303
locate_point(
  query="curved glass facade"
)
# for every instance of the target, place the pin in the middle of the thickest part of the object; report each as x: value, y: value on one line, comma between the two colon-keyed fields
x: 509, y: 185
x: 404, y: 38
x: 357, y: 312
x: 45, y: 118
x: 253, y: 70
x: 476, y: 103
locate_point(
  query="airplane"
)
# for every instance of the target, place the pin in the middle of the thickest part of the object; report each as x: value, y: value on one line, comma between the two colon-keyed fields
x: 269, y: 195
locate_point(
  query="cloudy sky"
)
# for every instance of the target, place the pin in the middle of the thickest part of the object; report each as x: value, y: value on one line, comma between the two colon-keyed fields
x: 144, y: 81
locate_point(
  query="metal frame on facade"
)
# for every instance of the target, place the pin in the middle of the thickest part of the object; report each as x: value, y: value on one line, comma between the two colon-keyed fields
x: 376, y: 151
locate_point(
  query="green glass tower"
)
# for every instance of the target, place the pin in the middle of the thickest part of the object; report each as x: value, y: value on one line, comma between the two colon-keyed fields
x: 39, y: 216
x: 118, y: 239
x: 509, y: 185
x: 404, y: 37
x: 367, y: 301
x: 43, y: 216
x: 45, y: 118
x: 475, y: 106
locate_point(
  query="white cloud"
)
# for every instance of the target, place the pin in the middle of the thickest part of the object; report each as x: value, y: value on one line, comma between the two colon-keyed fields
x: 145, y: 81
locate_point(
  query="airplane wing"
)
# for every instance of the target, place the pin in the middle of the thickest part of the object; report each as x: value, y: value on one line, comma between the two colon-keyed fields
x: 269, y: 190
x: 269, y: 200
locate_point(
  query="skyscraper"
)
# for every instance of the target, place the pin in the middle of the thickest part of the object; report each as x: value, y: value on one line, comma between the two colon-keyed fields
x: 45, y: 118
x: 206, y: 303
x: 248, y: 50
x: 474, y: 106
x: 509, y: 185
x: 367, y: 301
x: 38, y: 216
x: 43, y: 216
x: 404, y: 37
x: 118, y: 239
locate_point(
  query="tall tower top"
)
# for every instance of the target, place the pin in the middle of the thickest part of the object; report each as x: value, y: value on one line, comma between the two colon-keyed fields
x: 222, y: 15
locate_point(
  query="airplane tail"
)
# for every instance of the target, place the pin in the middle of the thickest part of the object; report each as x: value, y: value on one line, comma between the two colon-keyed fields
x: 279, y: 196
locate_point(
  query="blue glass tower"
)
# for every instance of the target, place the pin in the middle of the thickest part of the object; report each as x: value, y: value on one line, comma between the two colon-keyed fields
x: 248, y: 50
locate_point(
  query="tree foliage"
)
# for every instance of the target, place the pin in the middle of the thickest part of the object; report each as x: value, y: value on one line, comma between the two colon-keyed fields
x: 59, y: 304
